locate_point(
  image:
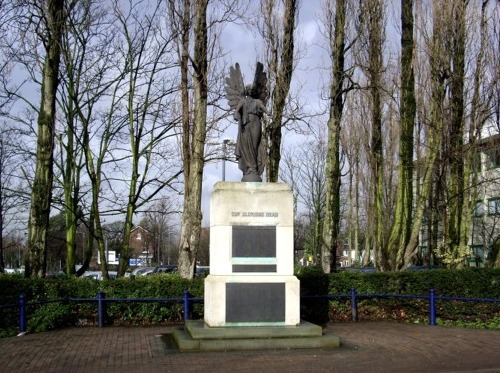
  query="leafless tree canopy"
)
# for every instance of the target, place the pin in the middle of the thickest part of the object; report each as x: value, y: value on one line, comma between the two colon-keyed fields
x: 383, y: 115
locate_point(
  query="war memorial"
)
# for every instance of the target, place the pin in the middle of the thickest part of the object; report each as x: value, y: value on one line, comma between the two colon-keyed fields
x: 252, y: 298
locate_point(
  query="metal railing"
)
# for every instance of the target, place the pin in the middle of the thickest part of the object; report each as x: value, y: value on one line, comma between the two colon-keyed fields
x: 186, y: 300
x: 431, y: 298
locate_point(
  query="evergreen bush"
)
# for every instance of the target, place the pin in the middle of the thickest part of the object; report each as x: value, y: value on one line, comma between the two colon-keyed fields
x: 468, y: 283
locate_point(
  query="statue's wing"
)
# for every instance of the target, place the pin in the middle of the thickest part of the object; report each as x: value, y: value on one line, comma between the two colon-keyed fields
x: 235, y: 88
x: 259, y: 87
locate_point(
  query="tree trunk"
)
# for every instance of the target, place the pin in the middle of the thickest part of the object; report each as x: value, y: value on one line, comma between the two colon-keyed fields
x: 70, y: 177
x: 333, y: 167
x: 95, y: 172
x: 281, y: 89
x: 192, y: 216
x: 2, y: 205
x: 471, y: 178
x: 434, y: 133
x: 401, y: 228
x: 373, y: 12
x: 456, y: 129
x: 41, y: 195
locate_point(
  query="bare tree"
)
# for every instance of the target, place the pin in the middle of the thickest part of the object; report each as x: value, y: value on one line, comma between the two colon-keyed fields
x: 90, y: 76
x: 464, y: 110
x: 47, y: 19
x: 197, y: 26
x: 147, y: 59
x: 371, y: 30
x: 434, y: 119
x: 11, y: 197
x: 278, y: 34
x: 81, y: 87
x: 194, y: 133
x: 158, y: 219
x: 455, y: 43
x: 335, y: 29
x: 304, y: 170
x: 480, y: 113
x: 400, y: 233
x: 352, y: 140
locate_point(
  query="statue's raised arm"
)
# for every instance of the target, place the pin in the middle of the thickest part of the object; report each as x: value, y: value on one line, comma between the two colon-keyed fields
x: 248, y: 104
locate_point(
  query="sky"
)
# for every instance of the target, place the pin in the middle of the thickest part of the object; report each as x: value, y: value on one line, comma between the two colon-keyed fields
x: 243, y: 47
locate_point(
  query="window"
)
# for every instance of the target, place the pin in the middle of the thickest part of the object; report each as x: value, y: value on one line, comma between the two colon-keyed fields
x: 424, y: 250
x: 478, y: 251
x: 478, y: 208
x: 494, y: 206
x: 477, y: 256
x: 493, y: 158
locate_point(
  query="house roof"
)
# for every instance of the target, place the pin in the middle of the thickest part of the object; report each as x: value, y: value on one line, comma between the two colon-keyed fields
x: 141, y: 228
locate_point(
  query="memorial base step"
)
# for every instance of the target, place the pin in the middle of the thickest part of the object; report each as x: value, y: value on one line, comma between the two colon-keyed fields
x: 197, y: 336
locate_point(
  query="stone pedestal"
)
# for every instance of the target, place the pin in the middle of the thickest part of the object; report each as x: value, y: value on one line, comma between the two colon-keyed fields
x: 251, y: 280
x: 252, y: 298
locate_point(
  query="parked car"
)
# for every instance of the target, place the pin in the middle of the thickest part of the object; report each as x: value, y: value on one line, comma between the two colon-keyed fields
x: 14, y: 271
x: 164, y: 268
x: 97, y: 275
x: 55, y: 274
x: 202, y: 271
x: 422, y: 267
x: 142, y: 271
x: 360, y: 269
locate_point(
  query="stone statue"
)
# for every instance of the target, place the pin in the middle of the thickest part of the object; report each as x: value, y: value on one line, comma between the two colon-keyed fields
x: 249, y: 104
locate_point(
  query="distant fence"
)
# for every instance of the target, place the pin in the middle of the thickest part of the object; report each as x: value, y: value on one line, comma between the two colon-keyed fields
x: 186, y: 300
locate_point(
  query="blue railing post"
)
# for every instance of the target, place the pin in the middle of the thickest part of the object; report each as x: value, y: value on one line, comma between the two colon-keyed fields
x: 101, y: 310
x: 354, y: 305
x: 432, y: 308
x: 186, y: 306
x: 22, y: 313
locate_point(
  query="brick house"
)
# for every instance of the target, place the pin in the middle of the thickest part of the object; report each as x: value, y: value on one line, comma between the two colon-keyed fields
x: 141, y: 246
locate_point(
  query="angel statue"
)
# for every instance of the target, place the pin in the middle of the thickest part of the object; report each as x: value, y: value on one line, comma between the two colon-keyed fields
x: 249, y: 104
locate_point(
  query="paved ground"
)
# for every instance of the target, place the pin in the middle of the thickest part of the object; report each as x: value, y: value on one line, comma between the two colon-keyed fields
x: 365, y: 347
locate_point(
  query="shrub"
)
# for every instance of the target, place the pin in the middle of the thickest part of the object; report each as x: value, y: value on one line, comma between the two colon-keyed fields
x: 313, y: 282
x: 472, y: 283
x: 51, y: 316
x: 466, y: 283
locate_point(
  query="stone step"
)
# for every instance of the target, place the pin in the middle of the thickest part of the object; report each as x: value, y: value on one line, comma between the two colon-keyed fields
x: 196, y: 336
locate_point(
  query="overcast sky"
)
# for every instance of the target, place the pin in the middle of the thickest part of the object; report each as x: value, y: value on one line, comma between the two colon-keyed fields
x: 244, y: 47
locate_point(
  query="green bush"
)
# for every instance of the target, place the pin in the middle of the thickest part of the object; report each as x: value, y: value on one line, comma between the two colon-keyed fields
x: 470, y: 283
x: 466, y: 283
x: 48, y: 316
x: 51, y: 316
x: 313, y: 282
x: 158, y: 286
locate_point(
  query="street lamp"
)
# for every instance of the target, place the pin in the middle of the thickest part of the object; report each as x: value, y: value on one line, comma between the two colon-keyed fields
x: 225, y: 156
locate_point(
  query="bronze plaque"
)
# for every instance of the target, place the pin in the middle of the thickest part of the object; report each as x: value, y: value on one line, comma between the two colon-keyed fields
x: 254, y: 241
x: 255, y: 302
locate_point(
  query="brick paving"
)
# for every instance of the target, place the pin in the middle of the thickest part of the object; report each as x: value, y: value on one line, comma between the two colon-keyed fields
x: 365, y: 347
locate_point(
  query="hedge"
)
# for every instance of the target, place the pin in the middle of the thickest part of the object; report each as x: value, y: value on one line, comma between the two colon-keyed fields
x: 471, y: 283
x: 62, y: 314
x: 465, y: 283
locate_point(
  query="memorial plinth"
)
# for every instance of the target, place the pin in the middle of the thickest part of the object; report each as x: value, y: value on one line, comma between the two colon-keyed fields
x: 252, y: 298
x: 251, y: 279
